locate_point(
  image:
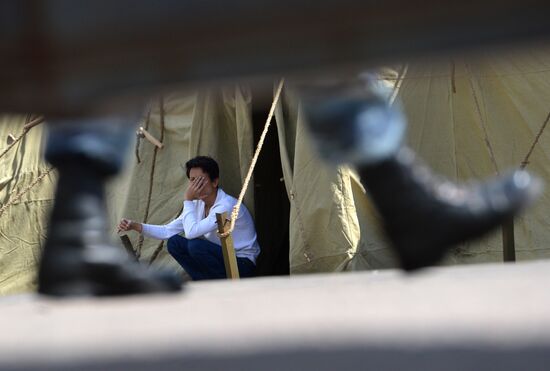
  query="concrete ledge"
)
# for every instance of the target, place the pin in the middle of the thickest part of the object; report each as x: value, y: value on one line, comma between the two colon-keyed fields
x: 469, y: 317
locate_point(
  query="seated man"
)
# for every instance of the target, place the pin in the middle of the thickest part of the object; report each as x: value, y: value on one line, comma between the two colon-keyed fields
x: 199, y: 252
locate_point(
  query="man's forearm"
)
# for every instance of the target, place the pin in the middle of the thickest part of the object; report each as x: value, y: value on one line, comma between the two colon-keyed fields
x: 138, y: 227
x: 162, y: 232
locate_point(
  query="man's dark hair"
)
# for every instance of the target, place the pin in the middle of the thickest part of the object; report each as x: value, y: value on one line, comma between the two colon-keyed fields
x: 207, y: 164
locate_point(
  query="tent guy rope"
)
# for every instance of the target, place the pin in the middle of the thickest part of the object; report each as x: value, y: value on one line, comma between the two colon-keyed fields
x: 535, y: 141
x: 24, y: 191
x: 152, y: 171
x: 28, y: 126
x: 237, y: 207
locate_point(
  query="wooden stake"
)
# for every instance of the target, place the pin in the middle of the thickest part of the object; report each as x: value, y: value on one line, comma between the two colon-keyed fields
x: 228, y: 250
x: 145, y: 134
x: 31, y: 124
x: 508, y: 242
x: 128, y: 246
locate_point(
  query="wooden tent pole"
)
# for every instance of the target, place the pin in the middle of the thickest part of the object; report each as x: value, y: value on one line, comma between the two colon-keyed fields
x: 228, y: 249
x: 508, y: 241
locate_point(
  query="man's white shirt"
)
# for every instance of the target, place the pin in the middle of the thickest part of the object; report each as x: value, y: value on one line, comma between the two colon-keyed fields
x: 193, y: 223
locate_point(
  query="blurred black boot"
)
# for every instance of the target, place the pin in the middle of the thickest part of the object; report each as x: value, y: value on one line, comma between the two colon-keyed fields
x: 425, y: 215
x: 77, y: 258
x: 422, y: 214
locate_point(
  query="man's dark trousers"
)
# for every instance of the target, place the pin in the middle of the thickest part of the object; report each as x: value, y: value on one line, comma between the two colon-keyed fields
x: 203, y: 260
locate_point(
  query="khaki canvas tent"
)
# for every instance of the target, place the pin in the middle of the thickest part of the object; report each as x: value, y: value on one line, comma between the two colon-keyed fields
x: 471, y: 119
x: 467, y: 120
x: 23, y: 224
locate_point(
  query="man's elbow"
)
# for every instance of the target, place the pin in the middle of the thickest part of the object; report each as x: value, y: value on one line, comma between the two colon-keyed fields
x: 191, y: 234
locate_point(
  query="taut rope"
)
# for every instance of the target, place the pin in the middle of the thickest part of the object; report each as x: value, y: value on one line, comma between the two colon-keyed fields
x: 237, y: 207
x: 526, y: 159
x: 24, y: 191
x: 28, y: 126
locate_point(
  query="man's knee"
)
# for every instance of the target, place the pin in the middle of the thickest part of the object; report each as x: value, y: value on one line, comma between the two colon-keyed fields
x: 176, y: 245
